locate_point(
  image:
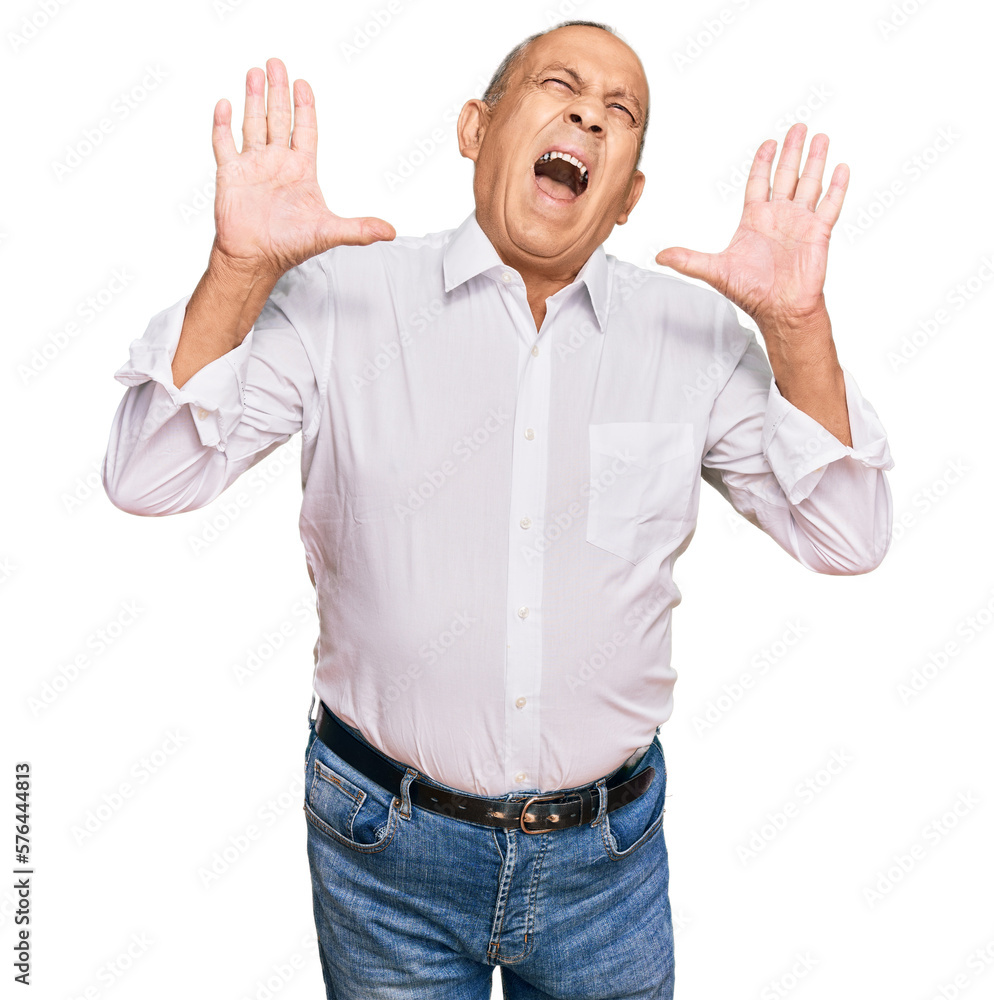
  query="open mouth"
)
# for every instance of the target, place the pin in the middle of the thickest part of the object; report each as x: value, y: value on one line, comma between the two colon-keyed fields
x: 560, y: 175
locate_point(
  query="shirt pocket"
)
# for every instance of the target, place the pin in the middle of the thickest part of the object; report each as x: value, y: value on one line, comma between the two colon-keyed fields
x: 642, y: 477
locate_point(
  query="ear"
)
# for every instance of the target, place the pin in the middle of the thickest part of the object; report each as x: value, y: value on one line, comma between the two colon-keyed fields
x: 471, y: 126
x: 635, y: 186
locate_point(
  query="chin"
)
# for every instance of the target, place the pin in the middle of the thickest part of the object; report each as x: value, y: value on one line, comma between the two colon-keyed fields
x: 541, y: 240
x: 543, y: 236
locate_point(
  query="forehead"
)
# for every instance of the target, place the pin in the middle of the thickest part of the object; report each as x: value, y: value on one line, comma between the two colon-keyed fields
x: 596, y: 54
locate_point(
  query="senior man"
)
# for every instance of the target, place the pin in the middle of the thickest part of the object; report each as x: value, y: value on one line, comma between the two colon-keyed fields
x: 504, y: 430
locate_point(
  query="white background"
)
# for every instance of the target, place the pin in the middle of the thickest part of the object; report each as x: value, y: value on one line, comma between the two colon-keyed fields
x: 222, y: 753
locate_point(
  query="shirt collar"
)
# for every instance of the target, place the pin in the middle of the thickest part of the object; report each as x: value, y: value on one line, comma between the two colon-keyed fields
x: 469, y: 252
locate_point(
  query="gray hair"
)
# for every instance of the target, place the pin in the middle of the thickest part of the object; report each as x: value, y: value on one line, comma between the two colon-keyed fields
x: 498, y: 82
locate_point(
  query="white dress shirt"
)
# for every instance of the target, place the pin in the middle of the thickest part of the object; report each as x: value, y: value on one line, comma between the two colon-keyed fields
x: 491, y: 513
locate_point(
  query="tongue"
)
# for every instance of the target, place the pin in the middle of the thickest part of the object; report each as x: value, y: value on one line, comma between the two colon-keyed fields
x: 555, y: 189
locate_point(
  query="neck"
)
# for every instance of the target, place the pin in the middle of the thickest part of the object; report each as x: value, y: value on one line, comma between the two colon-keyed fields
x: 540, y: 284
x: 543, y: 276
x: 546, y: 272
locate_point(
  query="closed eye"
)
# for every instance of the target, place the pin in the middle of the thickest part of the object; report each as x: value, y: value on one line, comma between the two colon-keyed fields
x: 553, y: 79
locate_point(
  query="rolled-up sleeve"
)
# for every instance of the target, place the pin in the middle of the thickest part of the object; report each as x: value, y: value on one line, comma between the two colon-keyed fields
x: 826, y: 503
x: 176, y: 449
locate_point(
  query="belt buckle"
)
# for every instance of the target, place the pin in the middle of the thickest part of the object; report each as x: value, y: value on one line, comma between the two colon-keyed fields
x: 537, y: 798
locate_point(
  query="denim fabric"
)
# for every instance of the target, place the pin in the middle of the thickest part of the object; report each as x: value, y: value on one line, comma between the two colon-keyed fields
x: 415, y: 905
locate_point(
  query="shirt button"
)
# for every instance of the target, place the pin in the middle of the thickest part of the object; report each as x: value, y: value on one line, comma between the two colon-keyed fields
x: 507, y: 276
x: 520, y: 776
x: 520, y: 703
x: 522, y: 612
x: 525, y: 522
x: 535, y: 351
x: 529, y: 434
x: 201, y: 413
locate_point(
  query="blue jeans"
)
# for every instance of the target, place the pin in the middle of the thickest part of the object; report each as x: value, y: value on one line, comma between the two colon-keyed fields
x: 412, y: 904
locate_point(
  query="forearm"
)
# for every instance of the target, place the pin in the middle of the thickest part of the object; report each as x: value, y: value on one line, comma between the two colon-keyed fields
x: 175, y: 449
x: 807, y: 370
x: 221, y: 311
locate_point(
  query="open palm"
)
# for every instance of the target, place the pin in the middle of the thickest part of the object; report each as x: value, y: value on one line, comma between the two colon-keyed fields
x: 269, y: 212
x: 774, y: 267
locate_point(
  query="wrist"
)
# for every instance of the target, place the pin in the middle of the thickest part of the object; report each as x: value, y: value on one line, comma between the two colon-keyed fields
x: 787, y: 327
x: 240, y: 273
x: 233, y: 293
x: 802, y: 351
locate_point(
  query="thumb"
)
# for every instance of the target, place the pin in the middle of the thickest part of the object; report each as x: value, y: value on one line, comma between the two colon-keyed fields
x: 684, y: 261
x: 357, y: 232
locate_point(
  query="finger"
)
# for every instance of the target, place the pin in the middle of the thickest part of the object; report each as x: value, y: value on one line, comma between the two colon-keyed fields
x: 254, y: 122
x: 357, y: 232
x: 758, y: 184
x: 809, y: 186
x: 278, y: 103
x: 688, y: 262
x: 305, y: 123
x: 221, y: 139
x: 785, y: 178
x: 831, y: 205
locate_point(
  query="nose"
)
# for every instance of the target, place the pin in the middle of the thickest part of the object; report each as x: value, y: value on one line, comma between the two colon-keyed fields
x: 586, y: 114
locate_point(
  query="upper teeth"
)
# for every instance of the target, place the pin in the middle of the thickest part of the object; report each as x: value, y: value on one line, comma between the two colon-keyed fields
x: 556, y: 154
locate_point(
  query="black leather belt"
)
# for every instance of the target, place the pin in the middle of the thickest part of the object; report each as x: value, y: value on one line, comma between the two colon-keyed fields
x: 536, y: 814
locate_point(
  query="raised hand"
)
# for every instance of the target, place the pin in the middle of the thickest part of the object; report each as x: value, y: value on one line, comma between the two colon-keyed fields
x: 269, y: 212
x: 774, y: 266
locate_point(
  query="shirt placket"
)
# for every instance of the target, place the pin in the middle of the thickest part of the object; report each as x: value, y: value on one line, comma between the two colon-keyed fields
x: 529, y: 475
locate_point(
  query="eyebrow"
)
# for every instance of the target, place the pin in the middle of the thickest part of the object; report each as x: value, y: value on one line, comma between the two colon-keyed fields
x: 578, y: 80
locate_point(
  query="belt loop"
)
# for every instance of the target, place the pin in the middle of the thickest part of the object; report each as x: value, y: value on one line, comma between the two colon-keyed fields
x: 601, y: 787
x: 405, y: 792
x: 586, y: 805
x: 311, y: 709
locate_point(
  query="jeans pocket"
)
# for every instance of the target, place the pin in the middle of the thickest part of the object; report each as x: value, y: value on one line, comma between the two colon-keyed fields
x: 346, y: 805
x: 634, y: 824
x: 642, y: 478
